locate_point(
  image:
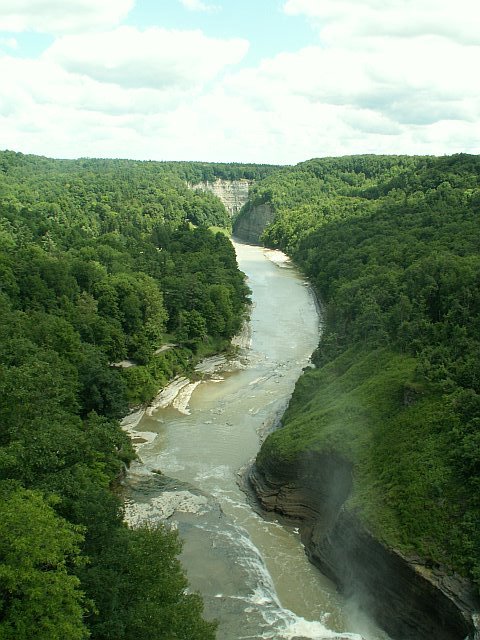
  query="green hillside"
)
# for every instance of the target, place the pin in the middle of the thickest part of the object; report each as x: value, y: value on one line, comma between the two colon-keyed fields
x: 100, y: 261
x: 392, y: 247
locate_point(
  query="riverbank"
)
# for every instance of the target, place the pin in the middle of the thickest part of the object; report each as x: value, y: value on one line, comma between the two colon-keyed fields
x: 253, y: 574
x: 178, y: 392
x: 319, y: 469
x: 163, y: 497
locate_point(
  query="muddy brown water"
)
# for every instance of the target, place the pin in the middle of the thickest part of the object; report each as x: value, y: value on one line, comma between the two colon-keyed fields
x: 253, y: 574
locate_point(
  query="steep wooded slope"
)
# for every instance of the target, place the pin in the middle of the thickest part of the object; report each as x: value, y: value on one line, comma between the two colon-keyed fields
x: 391, y: 245
x: 99, y: 262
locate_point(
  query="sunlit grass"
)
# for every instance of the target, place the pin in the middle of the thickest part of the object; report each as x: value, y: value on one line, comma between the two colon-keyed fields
x: 369, y: 407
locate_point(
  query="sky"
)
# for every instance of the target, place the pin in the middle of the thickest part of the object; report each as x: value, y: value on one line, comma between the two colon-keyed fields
x: 265, y: 81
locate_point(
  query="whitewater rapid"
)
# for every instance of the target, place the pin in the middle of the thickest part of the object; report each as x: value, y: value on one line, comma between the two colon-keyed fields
x: 194, y: 441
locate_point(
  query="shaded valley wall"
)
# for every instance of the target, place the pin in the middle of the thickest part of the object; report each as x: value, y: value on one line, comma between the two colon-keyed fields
x: 252, y: 222
x: 409, y: 600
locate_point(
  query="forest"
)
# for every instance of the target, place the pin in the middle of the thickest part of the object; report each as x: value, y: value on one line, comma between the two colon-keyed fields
x: 101, y: 261
x: 104, y: 262
x: 391, y: 244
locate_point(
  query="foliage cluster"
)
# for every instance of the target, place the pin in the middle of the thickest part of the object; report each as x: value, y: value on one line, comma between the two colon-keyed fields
x: 99, y: 263
x: 195, y: 172
x: 391, y: 245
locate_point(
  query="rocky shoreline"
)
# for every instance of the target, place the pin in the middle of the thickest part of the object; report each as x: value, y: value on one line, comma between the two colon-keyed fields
x: 408, y: 599
x: 157, y: 500
x: 179, y: 390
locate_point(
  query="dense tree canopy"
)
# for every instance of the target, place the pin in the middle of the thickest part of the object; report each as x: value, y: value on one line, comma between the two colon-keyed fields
x: 37, y: 548
x: 391, y: 244
x: 100, y: 261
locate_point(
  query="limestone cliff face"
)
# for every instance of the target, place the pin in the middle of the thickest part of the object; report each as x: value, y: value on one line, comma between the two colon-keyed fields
x: 252, y: 219
x: 252, y: 222
x: 409, y: 600
x: 233, y: 193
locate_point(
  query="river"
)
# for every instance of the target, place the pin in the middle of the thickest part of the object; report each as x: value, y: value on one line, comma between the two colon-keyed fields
x: 252, y: 573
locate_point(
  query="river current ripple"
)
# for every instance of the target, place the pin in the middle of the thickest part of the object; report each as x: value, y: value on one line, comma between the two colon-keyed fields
x: 252, y: 573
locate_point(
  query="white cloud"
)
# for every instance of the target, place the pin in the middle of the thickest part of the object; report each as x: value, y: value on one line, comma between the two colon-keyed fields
x: 346, y: 19
x: 380, y: 80
x: 9, y: 43
x: 55, y: 16
x: 368, y: 121
x: 155, y: 58
x: 428, y: 81
x: 30, y: 83
x: 198, y: 5
x: 216, y: 125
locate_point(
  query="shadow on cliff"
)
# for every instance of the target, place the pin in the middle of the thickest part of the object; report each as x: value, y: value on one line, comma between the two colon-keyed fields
x: 408, y: 600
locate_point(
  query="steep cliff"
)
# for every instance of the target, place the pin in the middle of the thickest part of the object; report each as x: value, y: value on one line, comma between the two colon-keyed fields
x: 395, y: 391
x: 233, y: 193
x: 252, y: 221
x: 408, y: 599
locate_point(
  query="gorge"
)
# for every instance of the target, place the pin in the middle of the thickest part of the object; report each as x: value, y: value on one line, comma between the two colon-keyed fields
x: 333, y: 467
x: 233, y: 193
x: 252, y: 573
x: 409, y: 598
x: 370, y: 466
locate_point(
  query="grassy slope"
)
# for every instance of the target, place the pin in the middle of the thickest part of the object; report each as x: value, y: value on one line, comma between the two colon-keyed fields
x: 391, y: 245
x: 367, y: 405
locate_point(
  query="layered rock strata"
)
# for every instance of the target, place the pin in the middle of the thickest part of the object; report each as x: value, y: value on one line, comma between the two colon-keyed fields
x: 233, y: 193
x: 252, y: 222
x: 409, y: 600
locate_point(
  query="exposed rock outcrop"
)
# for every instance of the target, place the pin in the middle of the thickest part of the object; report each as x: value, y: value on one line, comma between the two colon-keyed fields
x: 252, y: 222
x: 233, y: 193
x: 409, y: 600
x: 252, y: 219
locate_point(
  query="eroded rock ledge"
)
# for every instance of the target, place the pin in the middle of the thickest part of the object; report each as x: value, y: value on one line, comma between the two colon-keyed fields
x: 252, y: 221
x: 409, y: 600
x: 233, y: 193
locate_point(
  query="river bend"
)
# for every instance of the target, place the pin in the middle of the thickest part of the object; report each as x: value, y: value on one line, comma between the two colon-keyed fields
x: 252, y: 573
